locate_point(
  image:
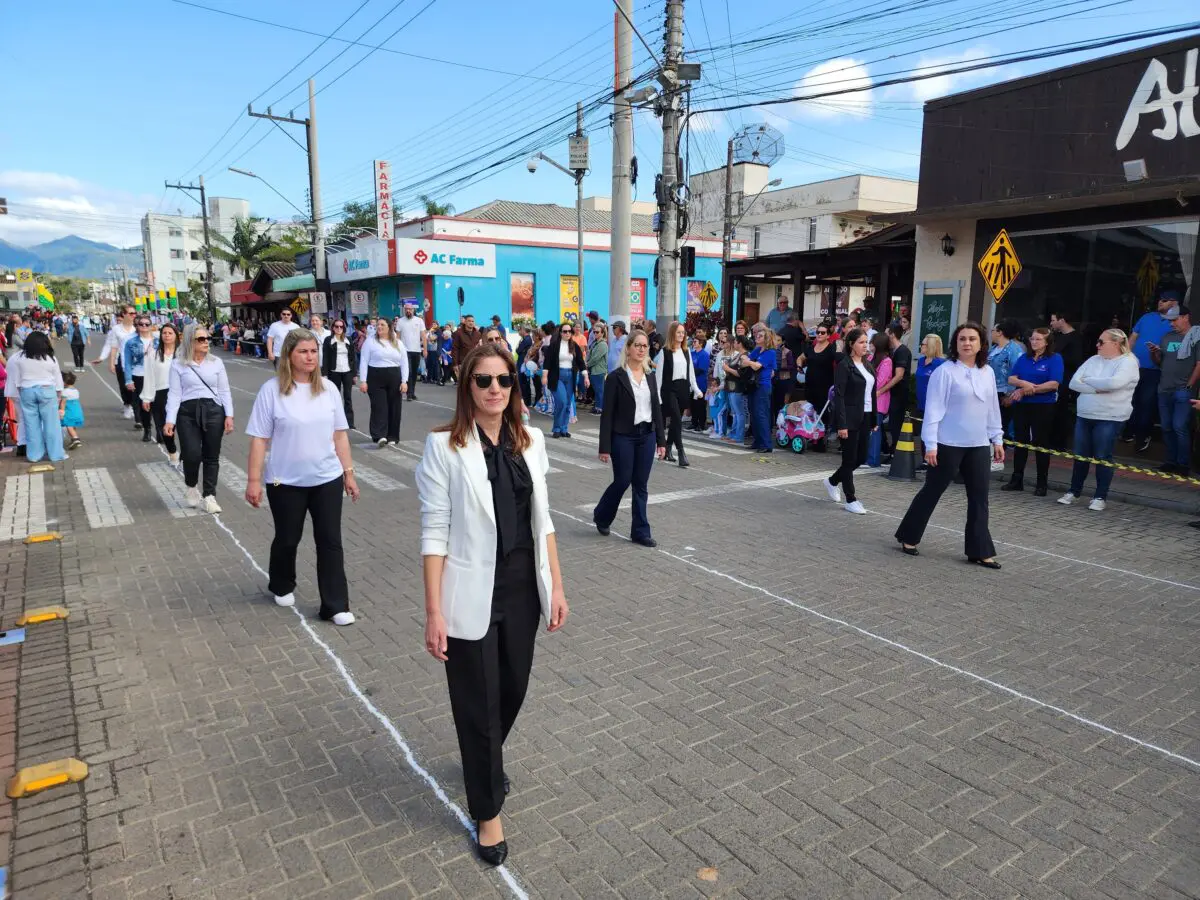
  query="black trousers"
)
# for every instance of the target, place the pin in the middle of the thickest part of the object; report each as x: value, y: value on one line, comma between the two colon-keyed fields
x: 699, y: 414
x: 383, y: 387
x: 158, y: 412
x: 1034, y: 424
x: 77, y: 354
x: 1063, y: 429
x: 676, y: 398
x: 289, y: 506
x: 488, y: 680
x: 344, y: 382
x: 127, y: 396
x: 141, y: 416
x: 975, y: 464
x: 632, y: 460
x: 414, y: 367
x: 854, y: 454
x: 200, y: 425
x: 526, y: 388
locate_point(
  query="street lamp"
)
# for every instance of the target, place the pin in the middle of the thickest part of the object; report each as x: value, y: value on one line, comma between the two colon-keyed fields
x: 576, y: 175
x: 775, y: 182
x: 249, y: 174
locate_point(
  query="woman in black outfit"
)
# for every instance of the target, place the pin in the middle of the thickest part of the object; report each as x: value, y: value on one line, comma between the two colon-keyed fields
x: 677, y: 387
x: 853, y: 416
x: 820, y: 360
x: 339, y: 363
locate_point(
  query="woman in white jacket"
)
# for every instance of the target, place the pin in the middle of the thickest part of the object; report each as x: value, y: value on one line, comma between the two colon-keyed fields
x: 491, y: 571
x: 156, y: 384
x: 1105, y: 384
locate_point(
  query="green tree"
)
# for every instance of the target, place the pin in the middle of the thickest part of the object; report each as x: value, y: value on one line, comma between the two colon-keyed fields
x: 433, y: 208
x: 195, y: 302
x: 247, y: 249
x: 296, y: 239
x: 355, y: 218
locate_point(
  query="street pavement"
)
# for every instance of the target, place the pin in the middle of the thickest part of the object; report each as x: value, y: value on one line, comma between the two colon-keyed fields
x: 773, y: 703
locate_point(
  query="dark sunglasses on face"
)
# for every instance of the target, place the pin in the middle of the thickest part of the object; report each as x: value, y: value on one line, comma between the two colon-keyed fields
x: 143, y: 324
x: 343, y: 327
x: 483, y: 382
x: 201, y: 339
x: 566, y: 331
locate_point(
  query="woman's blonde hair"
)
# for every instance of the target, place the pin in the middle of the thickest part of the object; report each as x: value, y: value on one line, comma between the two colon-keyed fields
x: 189, y: 343
x: 287, y: 380
x: 935, y: 341
x: 1118, y: 337
x: 633, y: 335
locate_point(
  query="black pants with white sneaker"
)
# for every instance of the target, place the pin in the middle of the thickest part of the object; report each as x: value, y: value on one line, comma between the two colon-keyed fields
x: 414, y: 367
x: 975, y: 464
x: 854, y: 454
x: 200, y: 425
x: 127, y: 396
x: 289, y: 507
x: 344, y: 382
x: 141, y: 416
x: 383, y: 387
x: 158, y: 411
x: 77, y: 353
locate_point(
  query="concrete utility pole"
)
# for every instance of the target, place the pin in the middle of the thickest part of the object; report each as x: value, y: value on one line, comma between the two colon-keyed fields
x: 727, y: 235
x: 667, y: 295
x: 619, y: 274
x: 579, y: 205
x: 208, y: 267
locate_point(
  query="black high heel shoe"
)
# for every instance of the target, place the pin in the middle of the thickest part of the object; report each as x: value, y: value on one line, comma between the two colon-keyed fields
x: 494, y: 855
x: 908, y: 551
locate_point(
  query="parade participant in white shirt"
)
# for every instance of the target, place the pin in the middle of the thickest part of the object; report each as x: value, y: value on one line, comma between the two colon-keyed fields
x: 114, y: 345
x: 411, y: 332
x: 156, y: 385
x: 300, y: 417
x: 200, y: 404
x: 277, y: 332
x: 383, y: 376
x: 316, y: 324
x: 962, y: 433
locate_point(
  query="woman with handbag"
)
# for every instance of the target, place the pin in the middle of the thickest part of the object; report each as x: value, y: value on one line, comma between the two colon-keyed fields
x: 490, y: 570
x: 854, y: 408
x: 562, y: 365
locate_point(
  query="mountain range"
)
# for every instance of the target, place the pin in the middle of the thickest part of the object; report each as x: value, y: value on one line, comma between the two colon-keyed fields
x: 69, y: 256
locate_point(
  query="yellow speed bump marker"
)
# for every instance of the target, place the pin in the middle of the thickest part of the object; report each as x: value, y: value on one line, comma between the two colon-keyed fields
x: 44, y: 536
x: 47, y: 775
x: 40, y: 467
x: 43, y: 614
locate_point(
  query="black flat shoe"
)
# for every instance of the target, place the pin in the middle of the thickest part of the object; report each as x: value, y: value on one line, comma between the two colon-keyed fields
x: 146, y: 438
x: 604, y: 531
x: 507, y: 784
x: 494, y: 855
x: 908, y: 551
x: 683, y: 460
x: 645, y: 542
x: 1039, y: 491
x: 986, y: 563
x: 670, y: 457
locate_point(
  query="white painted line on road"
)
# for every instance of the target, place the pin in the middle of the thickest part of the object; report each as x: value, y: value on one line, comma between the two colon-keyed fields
x: 709, y: 491
x: 377, y: 480
x: 404, y: 460
x: 101, y: 500
x: 904, y: 648
x: 690, y: 449
x: 23, y: 511
x: 416, y: 449
x: 167, y: 484
x: 567, y: 459
x: 235, y: 477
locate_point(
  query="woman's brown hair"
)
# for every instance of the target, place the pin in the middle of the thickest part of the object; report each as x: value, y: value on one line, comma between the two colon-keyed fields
x: 1046, y: 334
x: 463, y: 422
x: 981, y: 357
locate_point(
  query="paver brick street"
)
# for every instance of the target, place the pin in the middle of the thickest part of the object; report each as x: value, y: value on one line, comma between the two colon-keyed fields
x: 772, y: 703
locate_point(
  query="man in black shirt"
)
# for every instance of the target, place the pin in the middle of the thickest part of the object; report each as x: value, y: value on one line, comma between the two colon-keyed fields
x: 1068, y: 343
x: 902, y: 363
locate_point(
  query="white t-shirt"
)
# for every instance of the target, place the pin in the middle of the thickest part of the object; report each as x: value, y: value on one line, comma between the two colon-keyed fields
x: 300, y: 428
x: 70, y: 393
x: 869, y: 393
x: 341, y: 355
x: 409, y: 331
x: 642, y: 410
x: 277, y: 332
x: 679, y: 365
x: 565, y: 358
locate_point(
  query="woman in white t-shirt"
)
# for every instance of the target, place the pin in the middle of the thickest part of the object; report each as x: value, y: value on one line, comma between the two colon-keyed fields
x: 301, y: 417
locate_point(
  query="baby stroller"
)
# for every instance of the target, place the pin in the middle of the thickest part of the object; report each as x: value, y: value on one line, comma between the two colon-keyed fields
x: 799, y: 425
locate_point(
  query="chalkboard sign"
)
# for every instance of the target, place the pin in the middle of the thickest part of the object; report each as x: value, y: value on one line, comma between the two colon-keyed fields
x: 937, y: 316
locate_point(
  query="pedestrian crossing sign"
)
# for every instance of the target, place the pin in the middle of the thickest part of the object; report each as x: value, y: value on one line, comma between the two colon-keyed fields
x: 1000, y: 266
x: 708, y: 296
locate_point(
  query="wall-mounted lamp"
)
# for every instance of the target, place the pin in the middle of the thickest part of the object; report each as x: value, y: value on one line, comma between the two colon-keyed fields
x: 947, y: 245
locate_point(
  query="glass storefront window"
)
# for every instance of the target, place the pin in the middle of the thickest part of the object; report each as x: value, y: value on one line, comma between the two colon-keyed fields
x: 1100, y: 277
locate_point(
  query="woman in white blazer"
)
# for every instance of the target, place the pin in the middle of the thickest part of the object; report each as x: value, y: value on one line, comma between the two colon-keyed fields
x: 491, y: 571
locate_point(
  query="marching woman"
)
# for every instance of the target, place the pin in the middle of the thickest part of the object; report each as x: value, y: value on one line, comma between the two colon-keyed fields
x: 677, y: 388
x: 133, y: 364
x: 631, y: 436
x: 114, y: 345
x: 302, y: 419
x: 491, y: 571
x: 339, y: 363
x: 854, y: 408
x: 156, y: 385
x: 383, y: 376
x: 200, y: 406
x: 961, y: 433
x: 562, y: 364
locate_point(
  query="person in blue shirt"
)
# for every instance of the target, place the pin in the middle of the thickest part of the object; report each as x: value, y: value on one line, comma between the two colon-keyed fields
x: 1036, y: 380
x: 932, y: 356
x: 1148, y: 332
x: 77, y: 337
x: 1006, y: 349
x: 764, y: 360
x: 701, y: 360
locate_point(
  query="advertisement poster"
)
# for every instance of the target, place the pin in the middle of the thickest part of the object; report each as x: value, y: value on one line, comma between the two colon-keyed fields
x: 520, y: 285
x: 637, y: 298
x: 693, y: 296
x: 568, y: 299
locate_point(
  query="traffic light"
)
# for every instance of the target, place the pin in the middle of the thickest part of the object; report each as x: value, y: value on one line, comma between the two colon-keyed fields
x: 687, y: 262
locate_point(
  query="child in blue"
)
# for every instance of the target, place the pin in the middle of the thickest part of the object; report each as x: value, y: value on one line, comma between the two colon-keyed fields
x: 70, y: 411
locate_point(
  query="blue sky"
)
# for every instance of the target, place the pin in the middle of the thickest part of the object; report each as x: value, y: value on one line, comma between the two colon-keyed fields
x: 127, y: 93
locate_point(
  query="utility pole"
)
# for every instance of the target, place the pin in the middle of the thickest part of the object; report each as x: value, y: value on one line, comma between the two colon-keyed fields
x: 622, y: 181
x: 668, y: 235
x: 208, y: 267
x: 314, y: 176
x: 727, y: 238
x: 579, y: 173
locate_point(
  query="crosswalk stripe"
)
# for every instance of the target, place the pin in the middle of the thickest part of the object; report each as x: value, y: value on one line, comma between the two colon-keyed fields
x: 101, y: 501
x: 691, y: 493
x: 169, y: 487
x: 378, y: 480
x: 571, y: 461
x: 234, y: 476
x: 23, y: 511
x: 402, y: 460
x: 418, y: 447
x: 690, y: 449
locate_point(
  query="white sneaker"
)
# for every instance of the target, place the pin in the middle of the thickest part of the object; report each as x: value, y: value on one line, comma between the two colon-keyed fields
x: 394, y: 445
x: 833, y: 490
x: 857, y: 508
x: 286, y: 600
x: 128, y: 413
x: 346, y: 618
x: 1067, y: 499
x: 381, y: 443
x: 173, y: 459
x: 1097, y: 505
x: 211, y: 506
x: 192, y: 497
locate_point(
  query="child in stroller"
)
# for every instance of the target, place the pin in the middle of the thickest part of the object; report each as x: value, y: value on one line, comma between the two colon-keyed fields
x: 799, y: 425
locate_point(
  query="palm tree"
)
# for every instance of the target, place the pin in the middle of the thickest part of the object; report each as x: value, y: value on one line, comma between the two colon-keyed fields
x: 247, y: 249
x: 433, y: 208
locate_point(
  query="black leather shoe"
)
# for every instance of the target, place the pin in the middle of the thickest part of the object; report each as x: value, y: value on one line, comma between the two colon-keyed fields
x: 603, y: 529
x: 507, y: 783
x: 1039, y: 491
x: 683, y: 460
x: 908, y: 551
x: 494, y: 855
x: 670, y: 457
x: 146, y: 437
x: 1014, y: 484
x: 986, y: 563
x: 646, y: 542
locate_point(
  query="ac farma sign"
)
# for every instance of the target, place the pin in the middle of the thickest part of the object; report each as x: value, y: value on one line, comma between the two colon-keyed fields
x: 462, y: 258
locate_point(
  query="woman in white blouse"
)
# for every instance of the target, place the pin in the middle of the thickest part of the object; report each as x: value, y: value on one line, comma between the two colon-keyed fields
x: 961, y: 433
x: 36, y: 380
x: 676, y: 387
x: 156, y: 385
x: 300, y: 416
x: 200, y: 405
x: 383, y: 376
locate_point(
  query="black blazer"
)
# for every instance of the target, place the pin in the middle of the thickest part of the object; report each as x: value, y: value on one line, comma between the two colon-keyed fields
x: 330, y: 356
x: 849, y: 389
x: 550, y: 360
x: 619, y: 407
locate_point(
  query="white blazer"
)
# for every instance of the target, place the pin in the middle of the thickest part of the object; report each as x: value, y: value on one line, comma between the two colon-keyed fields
x: 458, y: 521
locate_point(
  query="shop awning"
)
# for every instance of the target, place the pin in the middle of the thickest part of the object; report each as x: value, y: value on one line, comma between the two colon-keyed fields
x: 294, y: 283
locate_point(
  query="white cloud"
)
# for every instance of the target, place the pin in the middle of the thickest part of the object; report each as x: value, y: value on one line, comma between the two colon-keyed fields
x: 44, y: 206
x: 837, y: 75
x: 941, y: 85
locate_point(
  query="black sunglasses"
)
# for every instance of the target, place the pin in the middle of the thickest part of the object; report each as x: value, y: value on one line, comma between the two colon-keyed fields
x: 338, y: 325
x: 483, y: 382
x: 143, y: 323
x: 566, y: 331
x: 200, y: 339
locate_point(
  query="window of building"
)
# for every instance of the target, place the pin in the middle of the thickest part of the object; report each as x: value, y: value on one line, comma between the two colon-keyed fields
x: 175, y: 232
x: 180, y: 279
x: 812, y: 233
x: 195, y: 254
x: 751, y: 290
x: 176, y: 254
x: 756, y: 241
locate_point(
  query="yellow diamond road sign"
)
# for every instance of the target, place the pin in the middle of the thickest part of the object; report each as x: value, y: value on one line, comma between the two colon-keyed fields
x: 708, y: 296
x: 1000, y: 266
